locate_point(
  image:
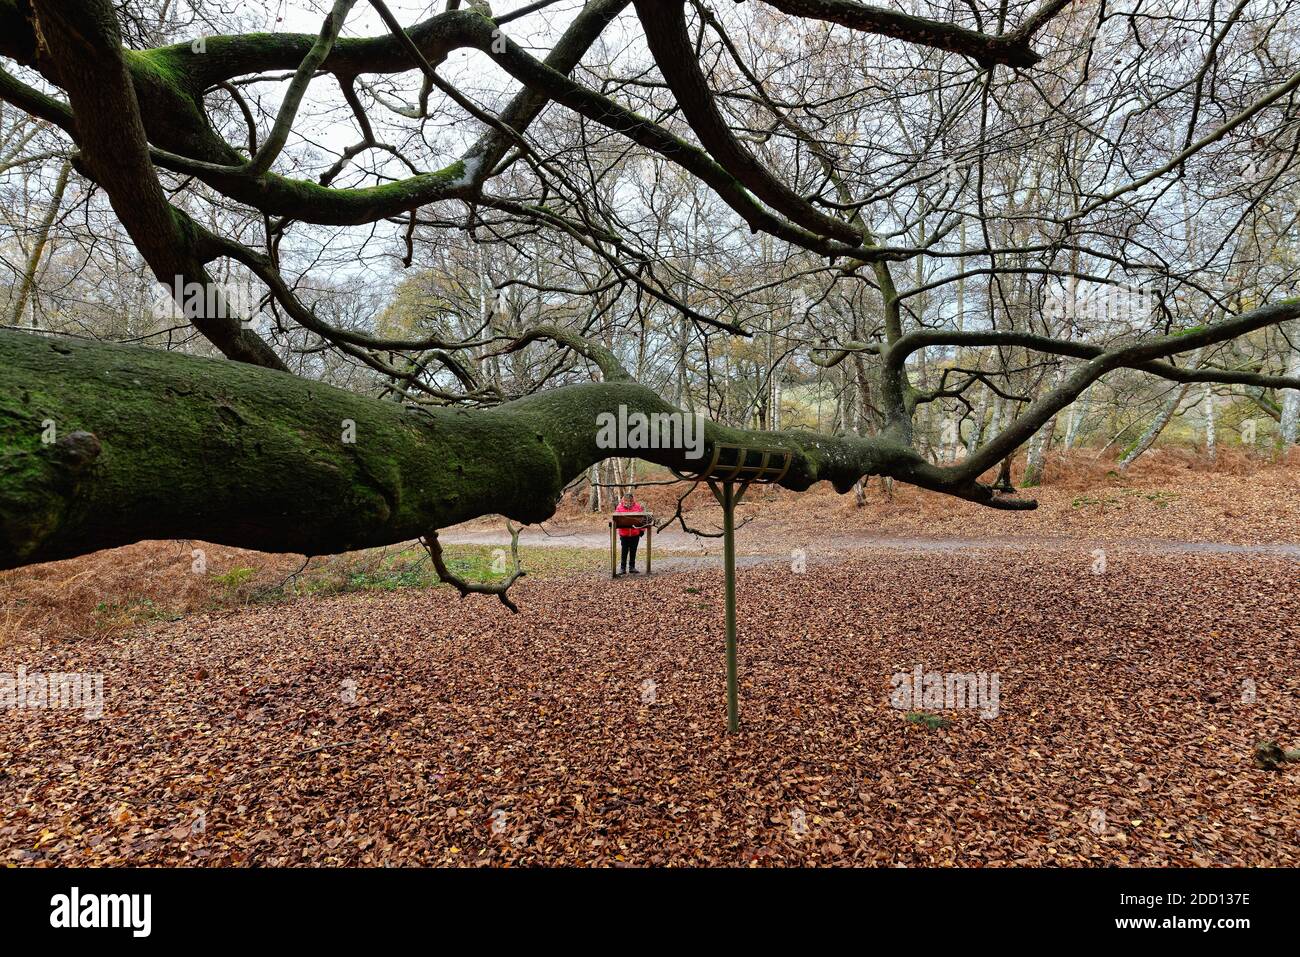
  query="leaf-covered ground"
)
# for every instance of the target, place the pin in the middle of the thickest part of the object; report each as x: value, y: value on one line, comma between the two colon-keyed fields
x: 110, y: 592
x: 407, y: 727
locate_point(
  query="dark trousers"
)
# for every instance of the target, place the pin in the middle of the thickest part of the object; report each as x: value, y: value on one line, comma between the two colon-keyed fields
x: 629, y: 543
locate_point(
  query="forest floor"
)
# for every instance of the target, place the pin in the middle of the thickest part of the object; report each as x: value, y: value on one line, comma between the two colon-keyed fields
x: 355, y: 715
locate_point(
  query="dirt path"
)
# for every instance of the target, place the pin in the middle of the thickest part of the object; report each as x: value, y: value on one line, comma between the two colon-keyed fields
x: 759, y: 541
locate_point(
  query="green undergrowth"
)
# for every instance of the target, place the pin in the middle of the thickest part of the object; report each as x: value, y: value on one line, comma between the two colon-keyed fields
x: 113, y: 599
x: 1124, y: 496
x: 128, y: 612
x: 395, y: 569
x: 932, y: 721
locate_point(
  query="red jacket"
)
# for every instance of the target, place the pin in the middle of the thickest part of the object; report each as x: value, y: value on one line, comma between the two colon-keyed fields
x: 634, y: 507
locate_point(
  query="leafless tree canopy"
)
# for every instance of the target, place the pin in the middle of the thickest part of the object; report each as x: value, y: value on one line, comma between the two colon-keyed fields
x: 957, y: 219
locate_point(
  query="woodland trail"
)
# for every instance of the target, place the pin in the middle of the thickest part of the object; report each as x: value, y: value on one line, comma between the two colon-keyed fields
x: 760, y: 539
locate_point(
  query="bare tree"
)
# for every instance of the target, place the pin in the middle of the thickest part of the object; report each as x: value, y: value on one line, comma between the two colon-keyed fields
x: 925, y: 185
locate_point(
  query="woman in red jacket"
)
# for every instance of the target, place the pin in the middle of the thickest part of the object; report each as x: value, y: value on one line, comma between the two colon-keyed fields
x: 629, y: 538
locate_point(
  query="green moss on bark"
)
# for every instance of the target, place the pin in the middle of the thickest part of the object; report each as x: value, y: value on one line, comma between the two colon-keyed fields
x: 185, y: 447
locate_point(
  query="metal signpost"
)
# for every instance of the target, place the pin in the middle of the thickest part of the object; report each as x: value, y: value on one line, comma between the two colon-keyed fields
x: 731, y: 470
x: 732, y: 464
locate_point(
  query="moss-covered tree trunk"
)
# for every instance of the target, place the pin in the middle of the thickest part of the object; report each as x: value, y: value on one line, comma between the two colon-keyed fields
x: 102, y: 445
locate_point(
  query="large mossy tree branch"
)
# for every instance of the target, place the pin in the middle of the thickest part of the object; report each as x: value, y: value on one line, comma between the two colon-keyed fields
x: 102, y: 445
x: 226, y: 56
x: 170, y: 82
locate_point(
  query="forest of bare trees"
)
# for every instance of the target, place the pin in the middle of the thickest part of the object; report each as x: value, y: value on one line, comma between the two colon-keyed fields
x: 963, y: 232
x: 978, y: 319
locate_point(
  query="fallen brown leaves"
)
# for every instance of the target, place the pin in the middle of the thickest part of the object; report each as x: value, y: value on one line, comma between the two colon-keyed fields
x: 411, y: 728
x: 111, y: 592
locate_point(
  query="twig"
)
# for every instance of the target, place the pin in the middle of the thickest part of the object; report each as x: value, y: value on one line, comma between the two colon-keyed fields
x: 500, y: 589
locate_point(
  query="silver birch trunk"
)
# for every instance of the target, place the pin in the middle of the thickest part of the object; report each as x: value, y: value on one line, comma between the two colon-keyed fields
x: 38, y: 250
x: 1290, y: 419
x: 1211, y: 423
x: 1162, y: 419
